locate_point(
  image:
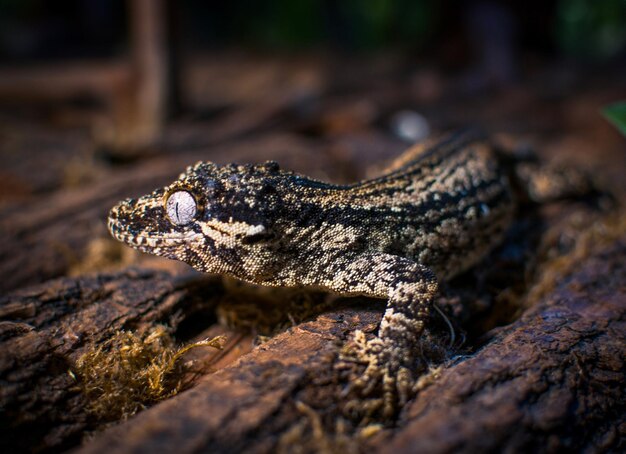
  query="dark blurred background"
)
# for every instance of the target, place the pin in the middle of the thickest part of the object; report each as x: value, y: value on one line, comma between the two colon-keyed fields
x: 586, y: 30
x: 145, y: 62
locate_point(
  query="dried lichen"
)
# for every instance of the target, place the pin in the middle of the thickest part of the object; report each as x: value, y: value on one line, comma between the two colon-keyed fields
x: 101, y: 254
x: 309, y: 435
x: 268, y: 311
x: 130, y: 372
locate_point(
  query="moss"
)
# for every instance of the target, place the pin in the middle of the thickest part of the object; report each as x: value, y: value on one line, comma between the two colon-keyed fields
x: 268, y: 311
x: 309, y: 435
x: 101, y: 254
x: 130, y: 372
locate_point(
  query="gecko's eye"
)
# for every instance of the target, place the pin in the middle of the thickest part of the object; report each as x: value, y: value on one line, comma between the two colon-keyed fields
x: 181, y: 207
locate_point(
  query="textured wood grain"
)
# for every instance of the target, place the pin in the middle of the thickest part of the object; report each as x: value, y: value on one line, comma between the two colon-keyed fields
x: 552, y: 380
x: 44, y: 329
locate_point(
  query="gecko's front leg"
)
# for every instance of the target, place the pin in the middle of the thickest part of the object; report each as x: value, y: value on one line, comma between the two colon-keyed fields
x: 390, y: 357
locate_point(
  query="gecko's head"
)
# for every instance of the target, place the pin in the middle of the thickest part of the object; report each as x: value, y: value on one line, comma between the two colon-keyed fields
x: 217, y: 219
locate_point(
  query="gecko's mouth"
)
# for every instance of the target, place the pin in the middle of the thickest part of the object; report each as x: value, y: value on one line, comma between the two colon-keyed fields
x: 147, y: 242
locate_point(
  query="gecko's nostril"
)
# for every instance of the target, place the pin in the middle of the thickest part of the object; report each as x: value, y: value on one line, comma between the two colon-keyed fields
x: 113, y: 213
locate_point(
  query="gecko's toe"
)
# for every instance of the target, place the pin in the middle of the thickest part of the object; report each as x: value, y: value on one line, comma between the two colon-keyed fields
x: 397, y: 387
x: 385, y: 379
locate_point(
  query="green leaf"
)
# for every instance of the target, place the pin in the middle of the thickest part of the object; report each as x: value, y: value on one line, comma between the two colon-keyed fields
x: 616, y: 114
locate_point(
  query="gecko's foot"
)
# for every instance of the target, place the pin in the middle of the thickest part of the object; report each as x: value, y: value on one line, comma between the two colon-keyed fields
x: 387, y: 381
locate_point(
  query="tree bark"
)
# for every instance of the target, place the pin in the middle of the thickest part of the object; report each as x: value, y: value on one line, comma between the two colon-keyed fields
x: 550, y: 381
x: 553, y: 381
x: 43, y: 331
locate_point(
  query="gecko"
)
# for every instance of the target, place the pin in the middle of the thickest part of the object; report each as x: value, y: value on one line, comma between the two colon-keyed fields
x: 439, y: 210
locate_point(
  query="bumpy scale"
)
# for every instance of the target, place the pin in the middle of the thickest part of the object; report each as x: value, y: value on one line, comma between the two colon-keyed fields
x: 440, y: 210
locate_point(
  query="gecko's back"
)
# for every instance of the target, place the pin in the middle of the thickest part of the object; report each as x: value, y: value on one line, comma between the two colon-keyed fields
x: 444, y: 206
x: 454, y: 202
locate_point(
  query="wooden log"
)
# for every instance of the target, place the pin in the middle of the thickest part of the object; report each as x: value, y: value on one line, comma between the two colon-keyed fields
x: 227, y: 411
x: 140, y: 123
x: 45, y: 329
x: 552, y: 380
x: 137, y: 89
x: 63, y: 80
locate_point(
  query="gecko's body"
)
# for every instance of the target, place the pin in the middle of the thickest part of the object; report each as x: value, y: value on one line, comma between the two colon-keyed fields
x: 392, y: 237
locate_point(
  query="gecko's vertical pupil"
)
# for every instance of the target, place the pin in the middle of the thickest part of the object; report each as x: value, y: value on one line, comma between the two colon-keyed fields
x: 181, y: 207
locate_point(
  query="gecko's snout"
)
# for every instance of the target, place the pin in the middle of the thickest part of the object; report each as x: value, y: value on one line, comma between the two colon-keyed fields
x: 120, y: 219
x: 113, y: 214
x: 113, y: 223
x: 119, y: 211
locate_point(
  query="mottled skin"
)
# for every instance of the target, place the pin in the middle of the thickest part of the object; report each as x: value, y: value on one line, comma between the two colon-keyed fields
x: 394, y: 237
